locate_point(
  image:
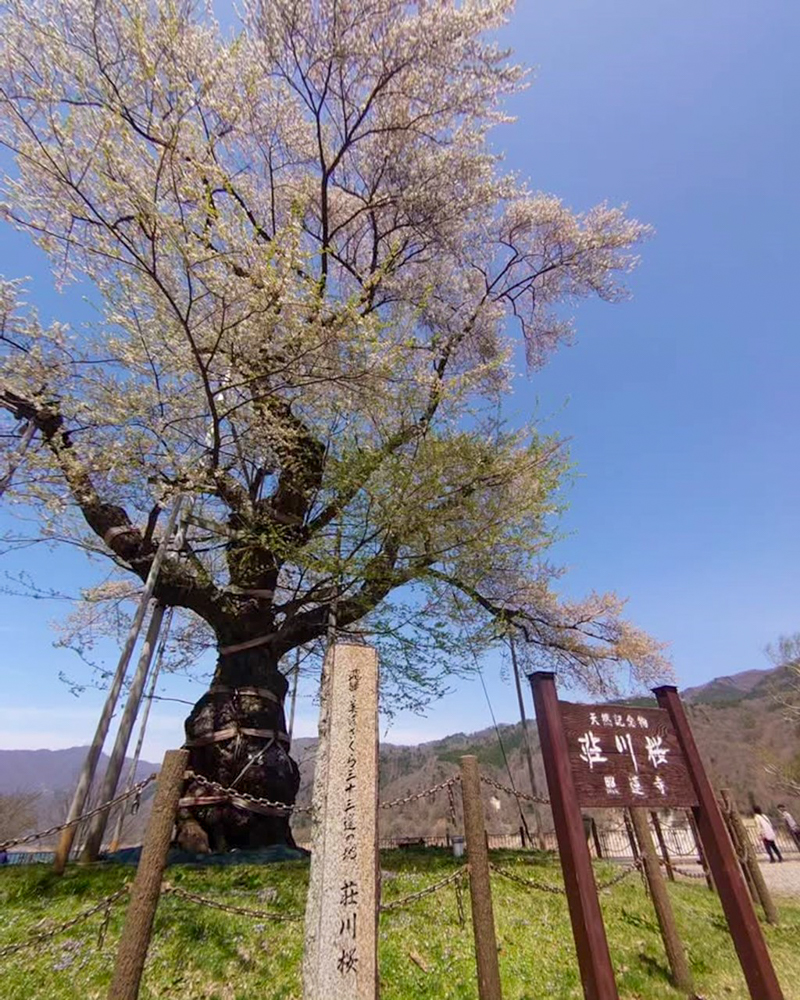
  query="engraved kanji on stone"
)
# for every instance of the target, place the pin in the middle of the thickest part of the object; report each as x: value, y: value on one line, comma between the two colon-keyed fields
x: 349, y: 893
x: 348, y: 960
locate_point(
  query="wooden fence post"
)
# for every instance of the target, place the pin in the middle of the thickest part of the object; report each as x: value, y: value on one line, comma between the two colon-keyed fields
x: 631, y: 837
x: 662, y: 845
x: 596, y: 838
x: 749, y: 861
x: 673, y: 945
x: 480, y: 886
x: 701, y: 854
x: 742, y: 921
x: 146, y: 889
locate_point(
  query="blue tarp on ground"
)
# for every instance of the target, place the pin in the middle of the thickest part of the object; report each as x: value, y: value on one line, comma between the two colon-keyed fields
x: 260, y: 856
x: 130, y: 856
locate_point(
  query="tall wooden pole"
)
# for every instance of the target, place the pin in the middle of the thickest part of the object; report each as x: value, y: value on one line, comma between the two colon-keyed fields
x: 526, y: 739
x: 597, y: 974
x: 293, y: 701
x: 147, y: 884
x: 701, y: 854
x: 108, y: 785
x: 742, y: 921
x: 148, y: 704
x: 662, y: 845
x: 673, y: 945
x: 751, y: 865
x: 92, y: 757
x: 480, y: 886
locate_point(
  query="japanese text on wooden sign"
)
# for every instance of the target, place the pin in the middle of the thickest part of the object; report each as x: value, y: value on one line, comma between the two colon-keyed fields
x: 622, y: 756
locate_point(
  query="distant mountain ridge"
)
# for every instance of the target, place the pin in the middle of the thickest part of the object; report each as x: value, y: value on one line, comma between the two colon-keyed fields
x: 731, y: 688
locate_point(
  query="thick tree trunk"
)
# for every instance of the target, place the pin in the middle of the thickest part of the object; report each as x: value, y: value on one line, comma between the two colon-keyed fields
x: 236, y: 735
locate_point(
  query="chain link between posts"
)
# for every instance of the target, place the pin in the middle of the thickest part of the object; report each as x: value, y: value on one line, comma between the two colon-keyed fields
x: 416, y: 796
x: 236, y: 793
x: 135, y: 790
x: 42, y: 936
x: 537, y: 799
x: 559, y: 890
x: 192, y: 897
x: 429, y: 890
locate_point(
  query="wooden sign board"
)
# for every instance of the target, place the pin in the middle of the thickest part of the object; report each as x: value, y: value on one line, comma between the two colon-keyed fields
x: 615, y: 756
x: 625, y: 757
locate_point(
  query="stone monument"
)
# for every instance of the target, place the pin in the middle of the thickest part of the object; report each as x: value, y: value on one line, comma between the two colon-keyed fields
x: 340, y: 957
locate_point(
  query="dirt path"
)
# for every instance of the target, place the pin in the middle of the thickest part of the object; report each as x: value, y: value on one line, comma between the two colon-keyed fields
x: 782, y: 879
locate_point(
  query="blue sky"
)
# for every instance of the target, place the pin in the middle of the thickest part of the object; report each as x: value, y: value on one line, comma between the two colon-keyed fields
x: 680, y: 405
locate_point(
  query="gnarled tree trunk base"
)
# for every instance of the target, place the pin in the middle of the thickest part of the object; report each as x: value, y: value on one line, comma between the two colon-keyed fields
x: 236, y: 737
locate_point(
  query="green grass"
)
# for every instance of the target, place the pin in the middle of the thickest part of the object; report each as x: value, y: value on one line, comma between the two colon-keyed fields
x: 201, y: 954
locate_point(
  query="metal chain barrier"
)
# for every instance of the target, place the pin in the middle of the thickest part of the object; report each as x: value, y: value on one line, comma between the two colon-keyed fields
x: 285, y: 807
x: 236, y: 793
x: 135, y: 790
x: 173, y: 890
x: 538, y: 799
x: 682, y: 871
x: 35, y: 939
x: 416, y: 796
x: 559, y: 890
x: 429, y: 890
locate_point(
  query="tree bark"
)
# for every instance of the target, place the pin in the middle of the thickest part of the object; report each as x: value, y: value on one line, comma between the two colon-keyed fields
x: 246, y: 695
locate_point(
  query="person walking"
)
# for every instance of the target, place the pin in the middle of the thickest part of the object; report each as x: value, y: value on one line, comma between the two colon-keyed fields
x: 791, y: 823
x: 767, y: 832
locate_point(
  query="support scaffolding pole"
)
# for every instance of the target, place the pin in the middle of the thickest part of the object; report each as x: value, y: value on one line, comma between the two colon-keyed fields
x: 148, y: 704
x: 90, y: 764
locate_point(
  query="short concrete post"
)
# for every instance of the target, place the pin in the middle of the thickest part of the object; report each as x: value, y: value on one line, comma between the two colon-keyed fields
x: 753, y: 870
x: 673, y: 945
x: 480, y: 886
x: 146, y: 890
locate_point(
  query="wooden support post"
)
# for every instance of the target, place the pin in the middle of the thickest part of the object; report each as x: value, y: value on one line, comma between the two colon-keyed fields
x: 93, y: 756
x: 742, y: 921
x: 631, y: 836
x: 701, y: 854
x: 740, y: 848
x: 147, y: 884
x: 591, y: 944
x: 526, y: 742
x: 148, y: 704
x: 681, y: 976
x: 596, y: 838
x: 749, y: 861
x: 480, y: 886
x: 662, y: 844
x: 116, y: 761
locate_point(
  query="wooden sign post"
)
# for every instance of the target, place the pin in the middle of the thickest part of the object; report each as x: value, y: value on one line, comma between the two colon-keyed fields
x: 576, y: 864
x: 599, y: 756
x: 742, y: 921
x: 340, y: 960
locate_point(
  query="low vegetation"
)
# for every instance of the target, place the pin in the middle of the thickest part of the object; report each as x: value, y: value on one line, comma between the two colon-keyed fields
x: 204, y: 954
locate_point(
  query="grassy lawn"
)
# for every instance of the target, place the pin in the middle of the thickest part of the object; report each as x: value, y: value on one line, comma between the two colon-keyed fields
x: 202, y: 954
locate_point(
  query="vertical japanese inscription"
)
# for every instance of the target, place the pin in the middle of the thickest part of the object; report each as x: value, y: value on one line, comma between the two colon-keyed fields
x: 341, y: 915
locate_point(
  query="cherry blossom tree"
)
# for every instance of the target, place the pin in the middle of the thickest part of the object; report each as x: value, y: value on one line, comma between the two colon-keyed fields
x: 312, y: 279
